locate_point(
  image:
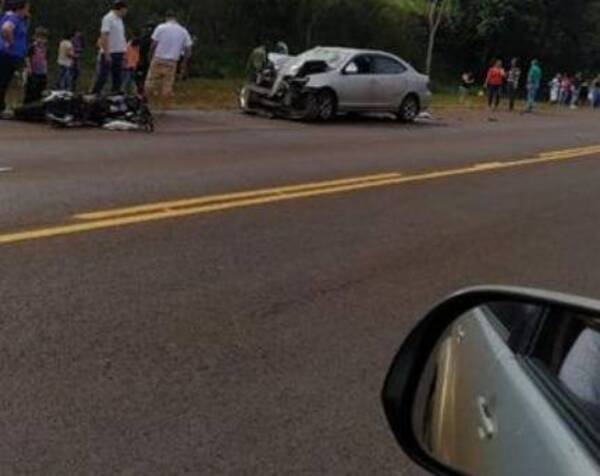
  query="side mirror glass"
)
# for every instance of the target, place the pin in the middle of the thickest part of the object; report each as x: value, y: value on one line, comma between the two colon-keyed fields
x: 494, y: 380
x: 352, y: 68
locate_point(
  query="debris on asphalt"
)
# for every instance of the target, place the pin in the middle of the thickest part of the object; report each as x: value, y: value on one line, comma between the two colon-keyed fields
x: 124, y: 126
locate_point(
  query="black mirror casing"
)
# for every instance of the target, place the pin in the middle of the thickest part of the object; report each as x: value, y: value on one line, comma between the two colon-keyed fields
x: 402, y: 381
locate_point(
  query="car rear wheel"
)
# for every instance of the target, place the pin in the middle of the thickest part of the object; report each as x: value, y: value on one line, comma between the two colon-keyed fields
x: 409, y: 110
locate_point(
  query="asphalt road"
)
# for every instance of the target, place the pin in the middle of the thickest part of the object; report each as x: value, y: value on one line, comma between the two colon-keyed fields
x: 250, y: 335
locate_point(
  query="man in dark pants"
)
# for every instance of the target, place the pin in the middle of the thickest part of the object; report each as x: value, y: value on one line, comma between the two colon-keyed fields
x: 37, y: 67
x: 512, y: 82
x: 14, y: 24
x: 78, y: 47
x: 144, y: 65
x: 113, y: 45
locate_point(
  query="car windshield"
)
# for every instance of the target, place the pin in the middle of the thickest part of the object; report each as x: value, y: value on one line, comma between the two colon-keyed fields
x: 331, y: 56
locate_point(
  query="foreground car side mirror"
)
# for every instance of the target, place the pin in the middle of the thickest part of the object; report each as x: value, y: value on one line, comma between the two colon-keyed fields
x: 500, y: 381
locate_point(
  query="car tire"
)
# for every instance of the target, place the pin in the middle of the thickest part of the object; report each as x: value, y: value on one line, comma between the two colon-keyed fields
x: 320, y: 106
x: 327, y: 104
x: 409, y: 110
x: 246, y: 100
x: 311, y: 108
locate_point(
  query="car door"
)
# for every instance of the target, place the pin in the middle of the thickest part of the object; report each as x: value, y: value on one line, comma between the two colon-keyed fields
x: 487, y: 413
x: 391, y: 82
x: 356, y: 85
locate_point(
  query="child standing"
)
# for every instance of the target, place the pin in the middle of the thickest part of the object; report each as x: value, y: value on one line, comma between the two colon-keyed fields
x: 66, y: 59
x: 467, y: 81
x: 36, y: 67
x: 130, y: 65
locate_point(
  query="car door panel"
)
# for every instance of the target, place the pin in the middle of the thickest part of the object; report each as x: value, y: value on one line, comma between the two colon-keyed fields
x: 392, y: 82
x: 355, y: 90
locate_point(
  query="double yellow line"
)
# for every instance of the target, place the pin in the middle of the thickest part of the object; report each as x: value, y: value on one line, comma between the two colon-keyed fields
x: 86, y: 222
x: 120, y: 217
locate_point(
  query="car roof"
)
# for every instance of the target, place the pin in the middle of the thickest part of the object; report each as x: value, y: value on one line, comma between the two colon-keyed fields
x: 354, y: 51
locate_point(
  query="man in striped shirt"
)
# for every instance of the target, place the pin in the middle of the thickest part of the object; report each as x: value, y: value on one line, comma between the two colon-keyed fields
x: 513, y: 80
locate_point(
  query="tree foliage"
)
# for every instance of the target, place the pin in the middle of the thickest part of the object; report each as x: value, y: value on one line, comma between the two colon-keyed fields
x: 562, y: 34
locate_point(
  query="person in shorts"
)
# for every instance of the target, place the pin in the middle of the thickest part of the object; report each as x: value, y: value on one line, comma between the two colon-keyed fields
x: 467, y: 81
x: 170, y: 41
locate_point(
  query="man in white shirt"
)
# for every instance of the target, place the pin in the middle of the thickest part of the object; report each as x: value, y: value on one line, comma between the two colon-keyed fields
x: 171, y: 43
x: 113, y: 45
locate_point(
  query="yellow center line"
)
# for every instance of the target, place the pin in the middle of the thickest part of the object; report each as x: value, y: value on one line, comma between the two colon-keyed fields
x: 216, y: 203
x: 170, y: 205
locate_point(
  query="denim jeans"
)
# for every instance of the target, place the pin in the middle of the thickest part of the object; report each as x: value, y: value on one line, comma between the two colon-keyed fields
x: 129, y: 85
x: 115, y: 69
x: 532, y: 91
x: 65, y: 78
x: 494, y: 93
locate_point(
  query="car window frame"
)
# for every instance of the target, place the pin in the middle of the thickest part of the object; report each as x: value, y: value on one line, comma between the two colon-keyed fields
x: 388, y: 58
x: 564, y: 403
x: 519, y: 339
x: 353, y: 59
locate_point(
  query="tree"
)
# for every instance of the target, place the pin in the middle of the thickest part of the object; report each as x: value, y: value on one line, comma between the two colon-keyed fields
x: 309, y: 13
x: 437, y: 11
x: 434, y: 11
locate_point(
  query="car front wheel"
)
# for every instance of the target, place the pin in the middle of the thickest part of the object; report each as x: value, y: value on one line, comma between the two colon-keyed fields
x: 409, y: 110
x: 320, y: 106
x: 327, y: 105
x: 247, y: 99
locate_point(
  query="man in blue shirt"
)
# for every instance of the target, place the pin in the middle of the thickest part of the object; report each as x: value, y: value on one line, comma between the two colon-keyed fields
x: 14, y: 23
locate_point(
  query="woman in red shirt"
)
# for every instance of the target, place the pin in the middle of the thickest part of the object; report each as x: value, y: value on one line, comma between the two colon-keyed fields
x: 493, y: 83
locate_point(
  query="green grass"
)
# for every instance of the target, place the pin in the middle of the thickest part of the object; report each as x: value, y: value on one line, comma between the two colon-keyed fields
x: 207, y: 94
x: 212, y: 94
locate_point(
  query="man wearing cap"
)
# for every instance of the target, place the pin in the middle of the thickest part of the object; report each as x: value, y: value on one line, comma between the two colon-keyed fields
x: 113, y: 45
x: 170, y: 42
x: 14, y: 24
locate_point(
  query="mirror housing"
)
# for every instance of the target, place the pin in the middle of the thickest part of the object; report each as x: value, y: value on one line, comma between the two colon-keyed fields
x: 401, y: 388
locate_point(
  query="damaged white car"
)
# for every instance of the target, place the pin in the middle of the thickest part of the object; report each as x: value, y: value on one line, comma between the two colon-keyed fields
x: 324, y: 82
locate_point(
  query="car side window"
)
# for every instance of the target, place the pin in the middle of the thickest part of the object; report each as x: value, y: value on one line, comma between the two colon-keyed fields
x: 386, y: 65
x: 516, y: 323
x: 567, y: 349
x: 360, y: 65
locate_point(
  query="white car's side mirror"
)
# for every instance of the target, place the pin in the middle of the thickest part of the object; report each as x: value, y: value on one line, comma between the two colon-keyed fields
x: 500, y: 381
